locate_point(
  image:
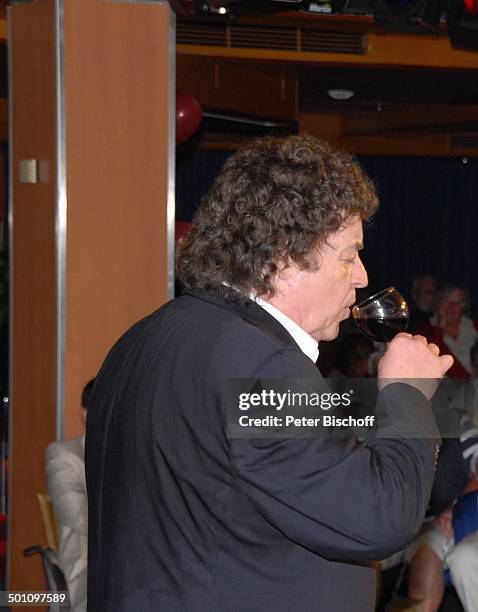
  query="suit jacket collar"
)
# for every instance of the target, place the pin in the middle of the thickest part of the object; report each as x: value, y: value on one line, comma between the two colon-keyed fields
x: 249, y: 311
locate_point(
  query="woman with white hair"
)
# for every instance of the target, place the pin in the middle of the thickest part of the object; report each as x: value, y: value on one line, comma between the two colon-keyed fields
x: 452, y: 330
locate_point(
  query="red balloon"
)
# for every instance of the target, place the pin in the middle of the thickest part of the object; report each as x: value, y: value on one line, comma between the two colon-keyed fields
x: 182, y: 230
x: 188, y: 116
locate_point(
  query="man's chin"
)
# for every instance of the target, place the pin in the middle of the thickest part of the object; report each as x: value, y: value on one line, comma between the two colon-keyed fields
x: 330, y: 333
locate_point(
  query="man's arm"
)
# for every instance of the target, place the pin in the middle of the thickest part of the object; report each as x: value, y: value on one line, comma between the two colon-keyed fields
x: 65, y: 473
x: 339, y: 498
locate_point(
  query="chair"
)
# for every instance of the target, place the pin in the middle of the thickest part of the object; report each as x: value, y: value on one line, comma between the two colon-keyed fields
x: 54, y: 576
x: 50, y: 524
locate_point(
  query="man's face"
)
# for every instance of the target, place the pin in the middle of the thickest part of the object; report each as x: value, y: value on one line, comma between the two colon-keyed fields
x: 451, y: 307
x: 318, y: 300
x: 426, y: 295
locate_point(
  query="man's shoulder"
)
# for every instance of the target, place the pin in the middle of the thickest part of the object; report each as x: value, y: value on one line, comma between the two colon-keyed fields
x: 204, y: 329
x: 236, y: 324
x: 203, y: 313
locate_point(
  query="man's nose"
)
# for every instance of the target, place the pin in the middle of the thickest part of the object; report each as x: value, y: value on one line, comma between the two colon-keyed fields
x: 360, y: 276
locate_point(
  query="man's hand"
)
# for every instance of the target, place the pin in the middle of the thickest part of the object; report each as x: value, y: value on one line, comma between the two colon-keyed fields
x: 412, y: 360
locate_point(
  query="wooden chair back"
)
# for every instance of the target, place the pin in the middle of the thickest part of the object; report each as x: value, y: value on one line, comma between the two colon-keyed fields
x: 50, y: 523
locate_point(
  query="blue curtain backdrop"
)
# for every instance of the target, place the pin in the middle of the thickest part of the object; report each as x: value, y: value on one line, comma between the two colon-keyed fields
x: 427, y: 222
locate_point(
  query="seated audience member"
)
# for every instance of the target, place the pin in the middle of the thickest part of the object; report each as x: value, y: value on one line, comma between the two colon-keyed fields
x: 424, y: 294
x: 474, y: 360
x: 462, y: 560
x: 65, y: 471
x: 352, y: 356
x: 446, y: 552
x: 474, y: 382
x: 452, y: 330
x: 446, y: 548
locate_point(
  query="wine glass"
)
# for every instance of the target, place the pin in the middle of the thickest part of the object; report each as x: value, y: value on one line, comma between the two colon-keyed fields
x: 382, y: 316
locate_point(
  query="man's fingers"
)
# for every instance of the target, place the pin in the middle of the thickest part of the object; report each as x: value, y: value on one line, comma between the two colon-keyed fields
x: 422, y: 339
x: 446, y: 362
x: 434, y: 349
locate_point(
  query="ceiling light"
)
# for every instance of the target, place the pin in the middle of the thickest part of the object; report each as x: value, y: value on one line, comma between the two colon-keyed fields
x: 340, y: 94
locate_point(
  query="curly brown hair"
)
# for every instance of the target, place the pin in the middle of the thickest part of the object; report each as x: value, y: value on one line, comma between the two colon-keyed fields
x: 274, y: 202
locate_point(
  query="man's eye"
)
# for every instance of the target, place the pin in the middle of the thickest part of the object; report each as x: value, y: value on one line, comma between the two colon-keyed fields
x: 350, y: 261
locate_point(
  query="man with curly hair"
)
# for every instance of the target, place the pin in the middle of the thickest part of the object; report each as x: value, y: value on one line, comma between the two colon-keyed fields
x: 185, y: 517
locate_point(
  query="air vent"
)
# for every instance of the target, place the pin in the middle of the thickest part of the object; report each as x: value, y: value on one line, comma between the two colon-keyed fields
x: 263, y: 37
x: 201, y: 34
x: 244, y: 36
x: 333, y: 42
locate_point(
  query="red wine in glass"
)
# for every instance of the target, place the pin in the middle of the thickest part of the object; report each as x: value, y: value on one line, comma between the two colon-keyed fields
x: 382, y: 316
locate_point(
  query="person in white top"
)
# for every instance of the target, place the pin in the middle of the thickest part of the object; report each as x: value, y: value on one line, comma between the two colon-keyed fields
x: 65, y: 471
x: 452, y: 330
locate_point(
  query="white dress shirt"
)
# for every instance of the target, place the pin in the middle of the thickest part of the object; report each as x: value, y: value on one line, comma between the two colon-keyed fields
x: 308, y: 345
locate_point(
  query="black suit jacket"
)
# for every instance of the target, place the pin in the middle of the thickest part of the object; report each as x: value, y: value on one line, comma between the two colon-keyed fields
x: 182, y: 518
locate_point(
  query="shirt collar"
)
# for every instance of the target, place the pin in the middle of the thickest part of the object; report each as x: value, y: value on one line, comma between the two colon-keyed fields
x: 308, y: 345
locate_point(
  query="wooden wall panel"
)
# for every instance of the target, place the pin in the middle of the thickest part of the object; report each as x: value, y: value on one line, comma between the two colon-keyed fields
x: 118, y: 73
x: 117, y: 166
x: 32, y: 417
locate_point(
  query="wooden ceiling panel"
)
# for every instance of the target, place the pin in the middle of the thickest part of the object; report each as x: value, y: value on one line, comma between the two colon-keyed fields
x: 406, y: 87
x: 239, y: 87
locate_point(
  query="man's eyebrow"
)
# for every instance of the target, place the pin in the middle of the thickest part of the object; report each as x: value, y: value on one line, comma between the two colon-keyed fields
x: 358, y: 246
